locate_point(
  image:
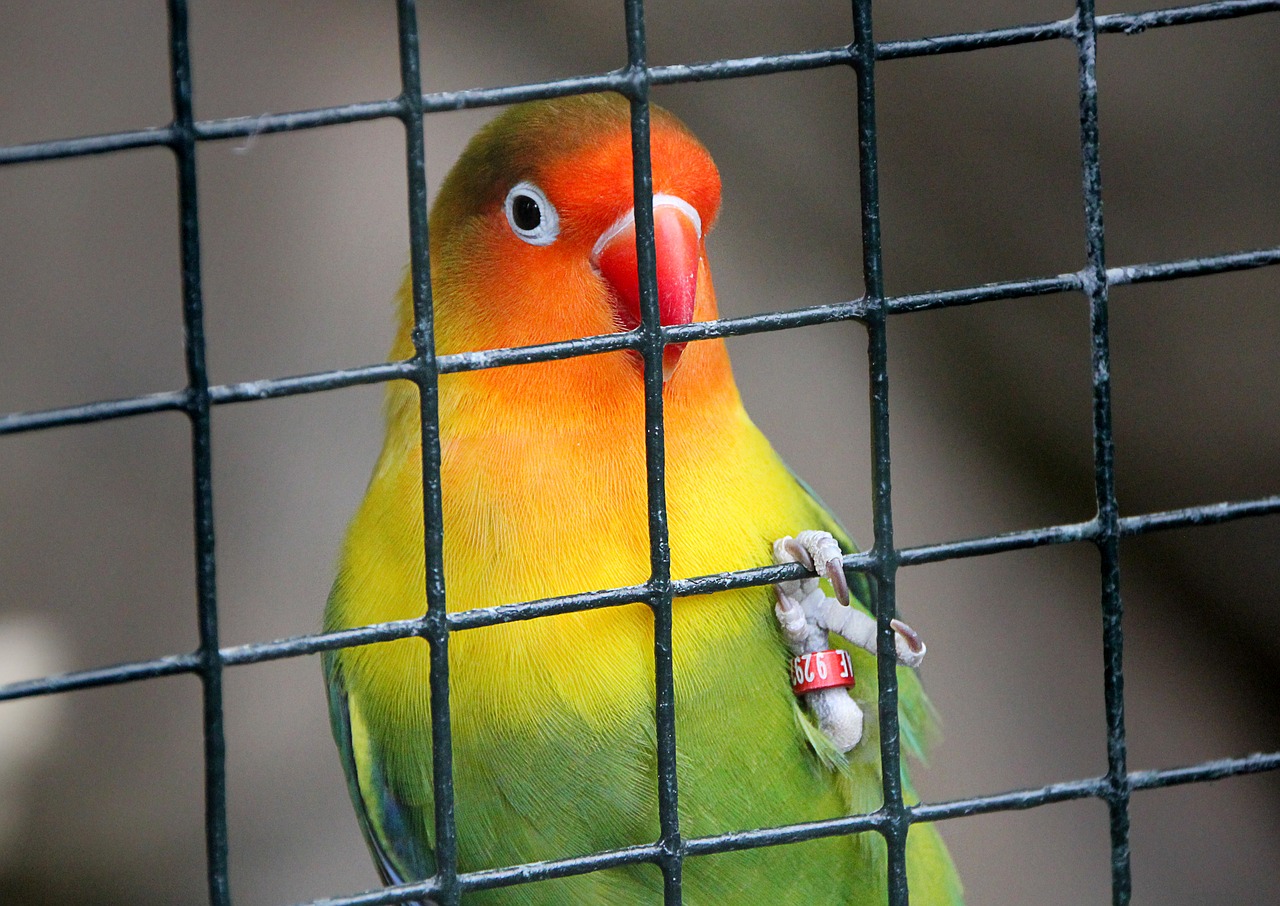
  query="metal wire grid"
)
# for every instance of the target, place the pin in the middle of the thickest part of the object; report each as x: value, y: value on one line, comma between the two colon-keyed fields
x: 880, y: 563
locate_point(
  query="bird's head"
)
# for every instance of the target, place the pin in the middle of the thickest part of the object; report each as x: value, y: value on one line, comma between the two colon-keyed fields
x: 533, y: 231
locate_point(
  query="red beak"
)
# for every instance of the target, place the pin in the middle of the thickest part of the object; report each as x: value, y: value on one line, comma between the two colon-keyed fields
x: 677, y: 235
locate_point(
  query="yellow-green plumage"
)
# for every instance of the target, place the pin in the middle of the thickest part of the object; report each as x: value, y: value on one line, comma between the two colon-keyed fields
x: 544, y: 494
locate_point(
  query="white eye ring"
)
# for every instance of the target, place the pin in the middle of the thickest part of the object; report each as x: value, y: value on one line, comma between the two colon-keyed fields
x: 531, y: 214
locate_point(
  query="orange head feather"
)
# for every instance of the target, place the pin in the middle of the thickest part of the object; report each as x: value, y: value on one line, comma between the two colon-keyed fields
x: 530, y: 241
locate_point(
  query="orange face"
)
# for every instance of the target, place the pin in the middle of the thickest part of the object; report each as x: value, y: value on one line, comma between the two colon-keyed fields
x: 533, y: 235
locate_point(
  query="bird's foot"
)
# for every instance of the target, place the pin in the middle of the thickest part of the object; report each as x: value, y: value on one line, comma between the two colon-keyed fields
x: 821, y: 676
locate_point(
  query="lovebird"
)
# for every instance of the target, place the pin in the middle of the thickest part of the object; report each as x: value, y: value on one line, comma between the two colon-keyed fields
x: 532, y: 240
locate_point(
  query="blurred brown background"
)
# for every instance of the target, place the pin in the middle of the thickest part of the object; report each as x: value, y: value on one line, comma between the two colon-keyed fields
x: 304, y: 238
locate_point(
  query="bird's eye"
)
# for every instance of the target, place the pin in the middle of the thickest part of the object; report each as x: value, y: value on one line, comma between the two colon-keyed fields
x: 532, y: 215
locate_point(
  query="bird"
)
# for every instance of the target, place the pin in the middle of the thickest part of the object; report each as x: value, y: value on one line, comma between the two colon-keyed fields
x: 544, y: 493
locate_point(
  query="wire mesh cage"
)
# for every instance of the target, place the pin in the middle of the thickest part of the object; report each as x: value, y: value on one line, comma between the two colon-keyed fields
x: 1094, y: 280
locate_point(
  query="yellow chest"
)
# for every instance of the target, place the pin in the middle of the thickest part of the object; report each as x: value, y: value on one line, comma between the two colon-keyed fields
x: 530, y: 518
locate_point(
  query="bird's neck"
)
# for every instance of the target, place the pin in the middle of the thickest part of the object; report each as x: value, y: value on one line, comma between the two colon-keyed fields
x: 547, y: 404
x: 547, y: 463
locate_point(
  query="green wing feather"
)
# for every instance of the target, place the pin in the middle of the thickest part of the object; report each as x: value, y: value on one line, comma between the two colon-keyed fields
x: 388, y: 822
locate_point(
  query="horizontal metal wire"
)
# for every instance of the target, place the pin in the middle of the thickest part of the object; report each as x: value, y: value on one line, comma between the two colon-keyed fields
x: 624, y: 82
x: 294, y: 646
x: 1014, y: 800
x: 274, y: 388
x: 1115, y: 23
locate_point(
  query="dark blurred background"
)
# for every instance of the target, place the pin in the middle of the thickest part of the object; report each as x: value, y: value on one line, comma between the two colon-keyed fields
x: 304, y: 241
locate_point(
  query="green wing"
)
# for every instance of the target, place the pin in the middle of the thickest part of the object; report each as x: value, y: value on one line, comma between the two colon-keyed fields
x: 931, y: 874
x: 391, y: 826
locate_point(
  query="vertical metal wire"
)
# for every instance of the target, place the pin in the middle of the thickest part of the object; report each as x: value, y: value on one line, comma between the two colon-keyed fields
x: 1108, y: 538
x: 183, y: 144
x: 435, y: 627
x: 885, y: 565
x: 660, y: 598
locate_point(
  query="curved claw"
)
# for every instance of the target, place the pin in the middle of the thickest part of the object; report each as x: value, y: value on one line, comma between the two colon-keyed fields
x: 798, y: 552
x: 835, y: 572
x: 911, y: 637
